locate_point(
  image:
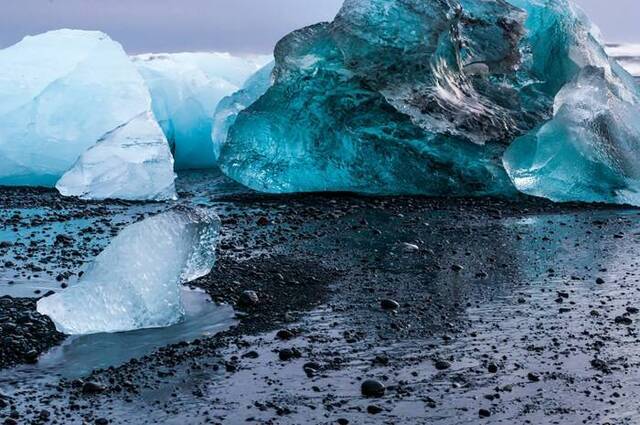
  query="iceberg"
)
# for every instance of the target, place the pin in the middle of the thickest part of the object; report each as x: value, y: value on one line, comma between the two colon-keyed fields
x: 386, y: 100
x: 415, y: 97
x: 185, y: 90
x: 229, y: 107
x: 135, y: 282
x: 62, y: 92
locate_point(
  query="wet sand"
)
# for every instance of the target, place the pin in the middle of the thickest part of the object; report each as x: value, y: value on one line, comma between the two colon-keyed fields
x: 467, y: 311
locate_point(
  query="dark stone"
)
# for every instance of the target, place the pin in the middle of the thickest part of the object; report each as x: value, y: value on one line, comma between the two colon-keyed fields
x: 31, y: 357
x: 91, y: 387
x: 372, y: 388
x: 248, y: 299
x: 484, y: 413
x: 623, y: 320
x: 442, y: 365
x: 284, y: 334
x: 389, y: 305
x: 288, y: 354
x: 373, y: 409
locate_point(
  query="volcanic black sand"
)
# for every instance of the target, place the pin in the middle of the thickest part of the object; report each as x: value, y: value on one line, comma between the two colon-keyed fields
x: 454, y: 311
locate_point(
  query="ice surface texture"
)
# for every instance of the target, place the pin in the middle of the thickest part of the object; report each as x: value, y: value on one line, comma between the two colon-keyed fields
x: 228, y: 109
x: 408, y: 96
x: 129, y: 163
x: 135, y: 282
x: 62, y: 92
x: 185, y: 90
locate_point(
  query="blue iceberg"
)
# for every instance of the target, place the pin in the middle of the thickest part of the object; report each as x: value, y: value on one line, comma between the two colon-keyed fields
x: 415, y: 97
x: 588, y: 151
x: 228, y: 109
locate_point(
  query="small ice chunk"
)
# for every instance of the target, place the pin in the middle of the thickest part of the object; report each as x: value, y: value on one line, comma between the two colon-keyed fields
x: 128, y: 163
x: 135, y: 282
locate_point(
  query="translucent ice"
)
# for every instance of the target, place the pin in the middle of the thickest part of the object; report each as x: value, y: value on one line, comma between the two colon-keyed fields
x: 128, y: 163
x: 185, y: 90
x: 413, y: 96
x: 229, y: 107
x: 62, y: 92
x: 588, y: 151
x: 135, y: 282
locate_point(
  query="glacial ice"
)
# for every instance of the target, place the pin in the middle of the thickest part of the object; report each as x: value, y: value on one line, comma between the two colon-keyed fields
x: 134, y: 153
x: 135, y: 282
x: 589, y: 150
x: 228, y: 108
x: 62, y: 92
x: 185, y: 90
x: 408, y: 96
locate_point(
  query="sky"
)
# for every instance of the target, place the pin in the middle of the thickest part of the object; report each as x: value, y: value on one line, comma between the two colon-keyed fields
x: 237, y: 26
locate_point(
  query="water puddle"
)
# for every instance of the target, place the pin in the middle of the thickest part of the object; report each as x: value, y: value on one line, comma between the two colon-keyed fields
x: 79, y: 355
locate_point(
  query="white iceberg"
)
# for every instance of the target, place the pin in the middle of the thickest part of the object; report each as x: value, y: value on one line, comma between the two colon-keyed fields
x: 62, y: 92
x: 185, y: 90
x: 135, y: 282
x: 129, y: 163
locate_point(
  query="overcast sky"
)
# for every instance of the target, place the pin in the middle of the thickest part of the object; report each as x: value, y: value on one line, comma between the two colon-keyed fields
x: 240, y: 26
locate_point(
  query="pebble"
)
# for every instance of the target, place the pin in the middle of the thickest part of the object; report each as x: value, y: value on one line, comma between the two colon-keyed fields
x: 372, y: 388
x: 442, y: 365
x: 388, y: 304
x: 248, y: 299
x: 484, y: 413
x: 91, y: 387
x: 373, y: 409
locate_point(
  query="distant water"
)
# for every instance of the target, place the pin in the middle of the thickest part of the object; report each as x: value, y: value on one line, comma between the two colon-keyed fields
x: 628, y: 55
